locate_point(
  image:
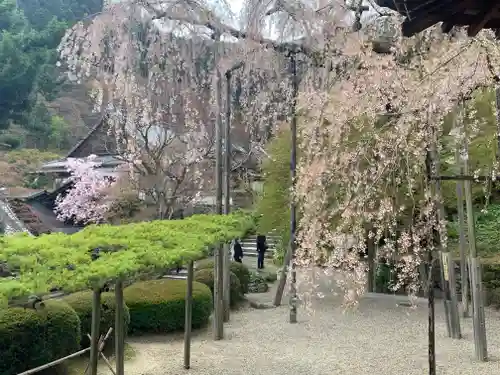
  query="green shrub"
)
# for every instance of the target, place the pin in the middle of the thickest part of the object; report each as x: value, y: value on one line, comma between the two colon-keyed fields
x: 158, y: 306
x: 82, y: 303
x: 258, y: 283
x: 239, y: 269
x: 206, y: 276
x: 271, y: 277
x: 30, y: 338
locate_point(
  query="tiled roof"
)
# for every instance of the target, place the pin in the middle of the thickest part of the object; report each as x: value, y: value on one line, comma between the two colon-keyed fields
x: 9, y: 220
x: 27, y: 217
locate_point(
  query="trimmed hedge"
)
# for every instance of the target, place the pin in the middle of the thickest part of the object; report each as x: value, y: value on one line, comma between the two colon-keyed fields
x: 30, y: 338
x: 239, y: 269
x: 158, y: 306
x: 206, y: 276
x: 82, y: 303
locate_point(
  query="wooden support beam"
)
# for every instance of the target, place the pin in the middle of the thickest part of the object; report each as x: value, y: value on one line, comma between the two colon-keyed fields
x: 188, y: 316
x: 94, y: 342
x: 119, y: 329
x: 418, y: 21
x: 466, y: 178
x: 486, y: 15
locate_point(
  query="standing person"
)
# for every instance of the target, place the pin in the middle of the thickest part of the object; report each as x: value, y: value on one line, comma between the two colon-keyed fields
x: 237, y: 251
x: 261, y: 250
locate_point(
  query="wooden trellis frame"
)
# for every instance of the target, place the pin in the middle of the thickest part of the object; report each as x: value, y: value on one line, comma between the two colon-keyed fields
x: 98, y: 341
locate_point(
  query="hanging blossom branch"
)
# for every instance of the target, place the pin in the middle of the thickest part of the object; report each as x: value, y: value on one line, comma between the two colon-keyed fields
x: 156, y: 86
x: 363, y: 170
x: 86, y: 201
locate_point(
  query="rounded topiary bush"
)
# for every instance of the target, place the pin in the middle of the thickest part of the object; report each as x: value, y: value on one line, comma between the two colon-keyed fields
x: 258, y: 284
x: 158, y: 306
x: 81, y: 302
x: 30, y: 338
x: 206, y: 276
x: 239, y: 269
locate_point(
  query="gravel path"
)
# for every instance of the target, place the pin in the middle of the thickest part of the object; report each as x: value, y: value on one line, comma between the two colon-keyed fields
x: 380, y: 338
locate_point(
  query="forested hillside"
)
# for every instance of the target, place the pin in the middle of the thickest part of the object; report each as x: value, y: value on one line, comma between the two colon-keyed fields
x: 39, y: 108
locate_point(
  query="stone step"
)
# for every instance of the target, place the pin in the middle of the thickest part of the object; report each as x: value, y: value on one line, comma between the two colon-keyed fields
x: 253, y: 254
x: 268, y: 238
x: 175, y: 277
x: 252, y: 243
x: 253, y: 246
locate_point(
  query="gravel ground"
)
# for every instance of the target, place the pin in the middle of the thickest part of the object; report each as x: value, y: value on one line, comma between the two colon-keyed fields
x: 380, y: 337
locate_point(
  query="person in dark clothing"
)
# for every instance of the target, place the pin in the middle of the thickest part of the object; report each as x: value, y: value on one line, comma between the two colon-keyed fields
x: 237, y: 251
x: 261, y: 250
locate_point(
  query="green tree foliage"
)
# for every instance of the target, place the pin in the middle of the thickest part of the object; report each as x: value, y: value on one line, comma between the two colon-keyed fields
x: 17, y: 167
x: 100, y: 253
x: 480, y: 112
x: 27, y: 62
x: 41, y: 12
x: 30, y: 32
x: 274, y: 203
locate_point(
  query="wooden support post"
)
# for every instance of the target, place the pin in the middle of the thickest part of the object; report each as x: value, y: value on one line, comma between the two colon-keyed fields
x: 475, y: 274
x: 119, y: 329
x: 102, y: 342
x: 226, y: 264
x: 293, y: 174
x: 96, y: 319
x: 227, y: 195
x: 188, y: 317
x: 431, y: 324
x: 219, y: 251
x: 370, y: 249
x: 464, y: 271
x: 447, y: 265
x: 434, y: 170
x: 282, y: 280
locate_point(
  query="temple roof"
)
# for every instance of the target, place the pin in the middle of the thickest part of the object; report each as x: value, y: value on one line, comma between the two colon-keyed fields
x: 422, y: 14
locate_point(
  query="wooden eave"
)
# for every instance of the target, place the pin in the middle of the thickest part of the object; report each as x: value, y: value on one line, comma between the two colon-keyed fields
x: 422, y: 14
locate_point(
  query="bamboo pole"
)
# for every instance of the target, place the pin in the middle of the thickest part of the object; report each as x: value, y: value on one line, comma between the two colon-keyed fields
x: 464, y: 271
x: 475, y: 274
x: 53, y: 363
x: 188, y: 316
x: 119, y: 329
x: 96, y: 319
